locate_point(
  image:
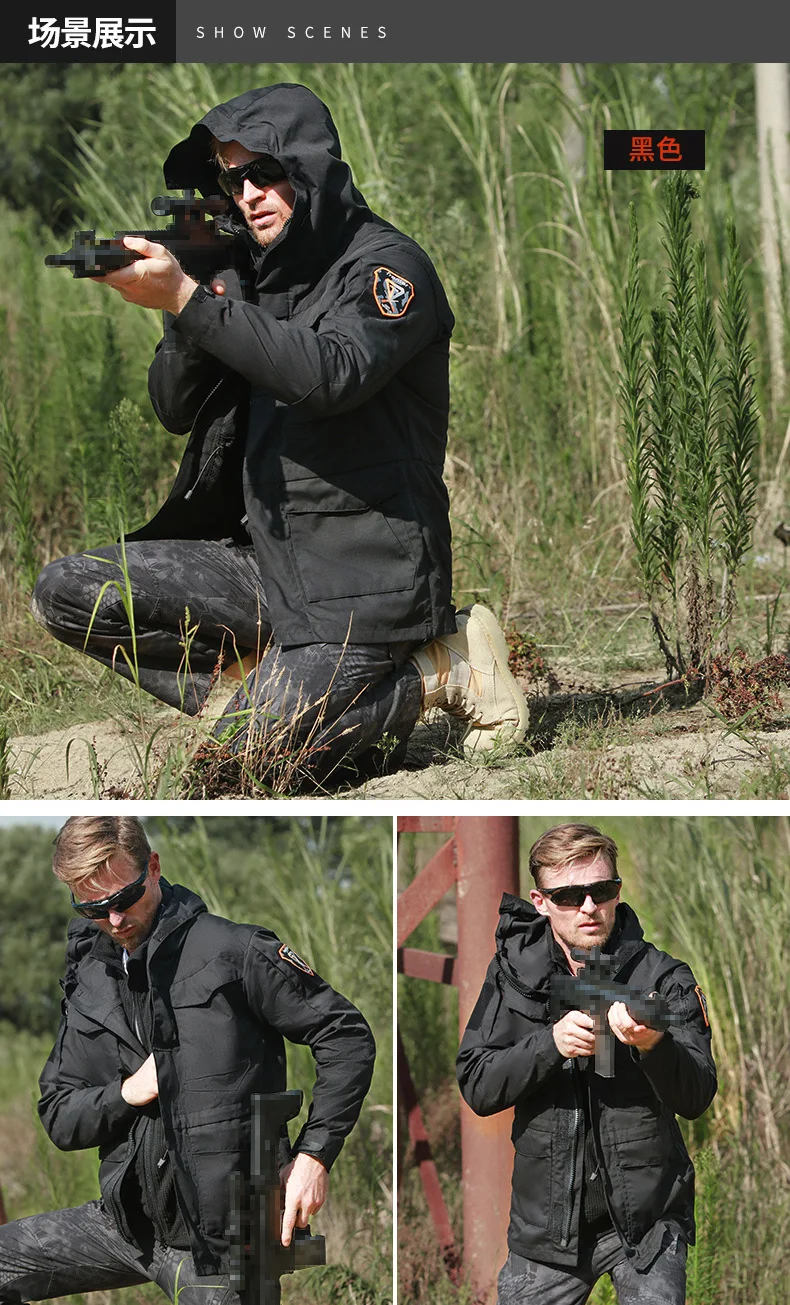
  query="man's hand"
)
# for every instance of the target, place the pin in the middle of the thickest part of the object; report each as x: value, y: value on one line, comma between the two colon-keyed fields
x: 142, y: 1086
x: 627, y: 1030
x: 574, y: 1034
x: 306, y: 1184
x: 154, y: 281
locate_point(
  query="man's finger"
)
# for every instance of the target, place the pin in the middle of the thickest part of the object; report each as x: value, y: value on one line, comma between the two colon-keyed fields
x: 289, y: 1219
x: 140, y: 245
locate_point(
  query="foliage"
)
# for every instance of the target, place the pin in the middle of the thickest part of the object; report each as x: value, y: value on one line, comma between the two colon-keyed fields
x: 691, y: 438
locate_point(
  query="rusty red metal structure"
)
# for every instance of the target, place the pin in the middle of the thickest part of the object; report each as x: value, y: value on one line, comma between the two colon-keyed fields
x: 480, y: 859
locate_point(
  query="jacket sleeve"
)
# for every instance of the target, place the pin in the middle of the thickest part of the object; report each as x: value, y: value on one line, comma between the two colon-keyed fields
x: 680, y: 1068
x: 507, y: 1051
x: 75, y: 1111
x: 305, y: 1009
x: 180, y: 379
x: 350, y: 354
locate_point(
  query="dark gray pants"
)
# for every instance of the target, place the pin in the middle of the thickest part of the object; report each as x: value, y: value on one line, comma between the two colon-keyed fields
x: 81, y: 1250
x: 335, y: 702
x: 522, y: 1282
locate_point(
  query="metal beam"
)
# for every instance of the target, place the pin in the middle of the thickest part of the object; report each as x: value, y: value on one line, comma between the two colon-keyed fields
x: 418, y: 964
x: 426, y: 1166
x: 426, y: 824
x: 487, y: 867
x: 425, y: 890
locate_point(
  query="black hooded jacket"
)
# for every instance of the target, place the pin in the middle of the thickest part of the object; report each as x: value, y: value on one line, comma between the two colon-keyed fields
x: 342, y: 335
x: 508, y: 1057
x: 223, y: 998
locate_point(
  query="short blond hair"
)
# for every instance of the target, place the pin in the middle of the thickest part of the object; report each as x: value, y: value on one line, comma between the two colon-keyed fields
x: 85, y: 844
x: 565, y: 844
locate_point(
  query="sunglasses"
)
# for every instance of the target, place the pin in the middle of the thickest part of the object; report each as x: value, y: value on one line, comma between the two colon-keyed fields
x: 120, y: 901
x: 261, y: 172
x: 603, y: 890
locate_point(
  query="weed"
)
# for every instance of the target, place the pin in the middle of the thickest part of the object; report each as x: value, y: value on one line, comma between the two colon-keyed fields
x: 747, y: 691
x: 691, y: 438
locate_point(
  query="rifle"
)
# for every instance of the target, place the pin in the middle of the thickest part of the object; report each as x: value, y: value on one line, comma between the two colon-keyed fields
x: 198, y: 236
x: 257, y: 1256
x: 594, y: 990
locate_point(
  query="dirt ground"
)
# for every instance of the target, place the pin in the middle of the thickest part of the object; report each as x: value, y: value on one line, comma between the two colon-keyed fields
x: 580, y: 745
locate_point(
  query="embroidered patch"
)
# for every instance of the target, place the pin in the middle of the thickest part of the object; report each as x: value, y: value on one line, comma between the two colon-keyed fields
x: 392, y: 293
x: 288, y: 954
x: 703, y: 1005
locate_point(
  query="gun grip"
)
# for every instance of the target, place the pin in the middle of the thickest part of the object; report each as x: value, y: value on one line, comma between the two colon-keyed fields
x: 604, y: 1052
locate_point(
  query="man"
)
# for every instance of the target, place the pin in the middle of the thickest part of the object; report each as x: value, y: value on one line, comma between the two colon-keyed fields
x: 307, y: 532
x: 602, y: 1182
x: 172, y: 1018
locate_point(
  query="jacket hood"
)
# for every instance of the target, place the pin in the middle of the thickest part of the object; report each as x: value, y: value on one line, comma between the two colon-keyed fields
x: 289, y: 122
x: 525, y: 943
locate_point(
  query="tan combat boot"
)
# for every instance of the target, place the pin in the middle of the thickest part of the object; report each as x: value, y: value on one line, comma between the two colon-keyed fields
x: 467, y: 675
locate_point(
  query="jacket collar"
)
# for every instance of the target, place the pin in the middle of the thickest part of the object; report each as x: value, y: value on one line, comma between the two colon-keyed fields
x: 94, y: 965
x: 528, y: 952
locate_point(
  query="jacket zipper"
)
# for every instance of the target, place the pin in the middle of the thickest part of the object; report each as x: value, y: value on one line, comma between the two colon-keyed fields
x: 214, y: 451
x: 517, y: 984
x: 565, y: 1233
x: 601, y: 1169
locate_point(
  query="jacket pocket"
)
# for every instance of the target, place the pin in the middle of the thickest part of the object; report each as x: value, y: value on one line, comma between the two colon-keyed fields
x: 354, y: 538
x: 534, y: 1192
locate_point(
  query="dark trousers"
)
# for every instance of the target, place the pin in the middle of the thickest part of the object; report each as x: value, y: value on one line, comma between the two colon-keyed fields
x: 186, y: 608
x: 81, y: 1250
x: 522, y: 1282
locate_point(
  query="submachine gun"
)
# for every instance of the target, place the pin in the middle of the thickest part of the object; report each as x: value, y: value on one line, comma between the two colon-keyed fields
x: 199, y: 236
x: 257, y: 1256
x: 593, y: 990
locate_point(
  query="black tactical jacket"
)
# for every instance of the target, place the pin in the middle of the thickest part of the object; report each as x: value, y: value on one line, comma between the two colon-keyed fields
x: 508, y: 1057
x: 223, y: 996
x: 344, y: 327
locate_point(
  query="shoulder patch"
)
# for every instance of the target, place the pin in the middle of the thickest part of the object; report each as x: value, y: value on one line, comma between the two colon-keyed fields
x: 703, y: 1005
x: 392, y: 293
x: 288, y: 954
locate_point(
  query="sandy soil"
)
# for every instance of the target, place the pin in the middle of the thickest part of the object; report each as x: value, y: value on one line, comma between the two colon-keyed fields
x: 684, y: 751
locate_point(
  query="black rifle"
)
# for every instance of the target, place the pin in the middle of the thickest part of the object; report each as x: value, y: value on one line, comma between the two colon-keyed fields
x: 257, y: 1255
x: 594, y: 990
x: 198, y: 236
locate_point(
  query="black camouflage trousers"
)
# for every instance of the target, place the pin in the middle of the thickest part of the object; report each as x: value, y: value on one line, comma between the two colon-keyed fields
x: 81, y: 1250
x: 186, y: 608
x: 522, y: 1282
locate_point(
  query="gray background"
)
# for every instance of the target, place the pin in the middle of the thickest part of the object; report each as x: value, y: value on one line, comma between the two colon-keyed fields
x: 481, y: 31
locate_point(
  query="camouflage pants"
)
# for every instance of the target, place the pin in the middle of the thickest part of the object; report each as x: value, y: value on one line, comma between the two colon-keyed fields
x: 190, y: 607
x: 523, y: 1281
x: 81, y: 1250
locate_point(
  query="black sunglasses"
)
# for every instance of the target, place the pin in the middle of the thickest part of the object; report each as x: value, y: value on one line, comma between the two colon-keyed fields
x: 261, y: 172
x: 603, y: 890
x: 120, y: 901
